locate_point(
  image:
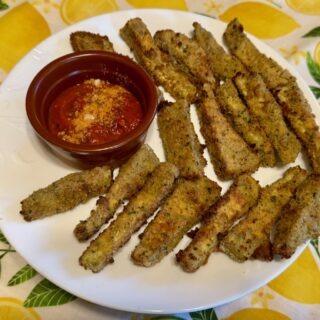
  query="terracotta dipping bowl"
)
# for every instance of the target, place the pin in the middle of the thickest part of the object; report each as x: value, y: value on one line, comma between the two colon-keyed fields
x: 74, y: 68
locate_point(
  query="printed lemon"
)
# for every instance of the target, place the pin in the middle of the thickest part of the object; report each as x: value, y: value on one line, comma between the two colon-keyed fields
x: 167, y: 4
x: 257, y: 314
x: 261, y: 20
x: 19, y: 38
x: 301, y: 281
x: 316, y: 54
x: 3, y: 74
x: 75, y: 10
x: 13, y: 309
x: 311, y: 7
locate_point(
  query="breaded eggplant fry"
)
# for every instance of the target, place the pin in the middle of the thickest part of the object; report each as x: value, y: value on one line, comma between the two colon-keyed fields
x: 300, y: 220
x: 242, y: 195
x: 101, y: 250
x: 264, y: 251
x: 180, y: 142
x: 83, y: 40
x: 283, y: 85
x: 229, y: 153
x: 66, y: 193
x: 157, y: 63
x: 298, y: 113
x: 268, y: 112
x: 245, y: 123
x: 240, y: 45
x: 182, y: 210
x: 132, y: 176
x: 250, y: 233
x: 187, y: 54
x: 223, y: 65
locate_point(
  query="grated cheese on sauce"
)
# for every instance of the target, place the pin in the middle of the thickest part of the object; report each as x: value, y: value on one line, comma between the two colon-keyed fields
x: 98, y: 111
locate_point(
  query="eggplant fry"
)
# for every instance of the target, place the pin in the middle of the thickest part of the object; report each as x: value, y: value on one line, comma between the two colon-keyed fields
x: 235, y: 203
x: 84, y: 40
x: 223, y: 65
x: 229, y: 153
x: 101, y: 250
x: 132, y: 176
x: 264, y: 251
x: 284, y: 87
x: 157, y: 63
x: 180, y: 142
x: 298, y: 113
x: 250, y: 233
x: 183, y: 209
x: 268, y: 112
x: 244, y: 123
x: 241, y: 46
x: 187, y: 54
x: 300, y: 220
x: 66, y: 193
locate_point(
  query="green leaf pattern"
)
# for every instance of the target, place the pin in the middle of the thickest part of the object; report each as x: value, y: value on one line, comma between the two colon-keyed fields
x: 24, y: 274
x: 3, y: 238
x: 208, y: 314
x: 166, y: 317
x: 315, y: 243
x: 316, y: 91
x: 314, y: 70
x: 46, y: 294
x: 313, y: 33
x: 4, y: 252
x: 3, y: 6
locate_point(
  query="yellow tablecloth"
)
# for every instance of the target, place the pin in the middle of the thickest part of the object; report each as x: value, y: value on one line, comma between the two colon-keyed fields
x: 292, y: 27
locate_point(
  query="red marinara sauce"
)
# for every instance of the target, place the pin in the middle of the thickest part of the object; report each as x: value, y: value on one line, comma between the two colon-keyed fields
x: 94, y: 112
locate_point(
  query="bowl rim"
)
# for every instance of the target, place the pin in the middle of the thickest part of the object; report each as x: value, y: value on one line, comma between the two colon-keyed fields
x: 46, y: 135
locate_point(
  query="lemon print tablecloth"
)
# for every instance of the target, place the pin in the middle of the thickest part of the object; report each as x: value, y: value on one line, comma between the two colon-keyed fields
x: 292, y: 27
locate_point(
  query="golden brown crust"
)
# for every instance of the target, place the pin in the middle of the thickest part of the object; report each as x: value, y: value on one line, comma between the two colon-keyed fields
x: 180, y: 142
x: 284, y: 87
x: 182, y: 210
x: 157, y: 63
x: 300, y: 219
x: 264, y: 251
x: 240, y: 45
x: 84, y: 40
x: 66, y: 193
x: 229, y: 153
x: 132, y: 176
x: 250, y: 233
x: 298, y: 113
x: 101, y: 250
x: 223, y: 65
x: 241, y: 196
x: 187, y: 54
x: 245, y: 123
x: 269, y: 114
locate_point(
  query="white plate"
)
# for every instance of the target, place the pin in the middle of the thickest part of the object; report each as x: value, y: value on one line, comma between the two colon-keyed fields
x: 49, y: 245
